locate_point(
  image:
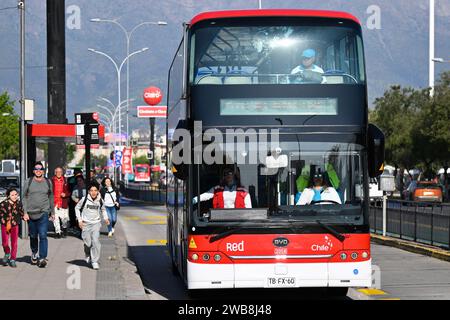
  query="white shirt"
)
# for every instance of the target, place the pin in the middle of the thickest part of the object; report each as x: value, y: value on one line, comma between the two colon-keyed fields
x: 109, y: 197
x: 328, y: 194
x: 229, y: 197
x: 314, y: 68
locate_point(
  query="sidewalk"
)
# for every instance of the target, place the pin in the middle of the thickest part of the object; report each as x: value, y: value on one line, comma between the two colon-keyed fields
x: 411, y: 246
x: 68, y: 277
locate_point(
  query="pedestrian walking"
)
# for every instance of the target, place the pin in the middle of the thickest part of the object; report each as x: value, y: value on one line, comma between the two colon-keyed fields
x: 11, y: 212
x: 61, y: 196
x: 72, y: 185
x: 38, y: 204
x: 90, y: 210
x: 79, y: 191
x: 110, y: 195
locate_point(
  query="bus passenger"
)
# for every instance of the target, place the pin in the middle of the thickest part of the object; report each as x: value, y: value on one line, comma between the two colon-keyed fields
x: 319, y: 191
x: 229, y: 194
x: 313, y: 71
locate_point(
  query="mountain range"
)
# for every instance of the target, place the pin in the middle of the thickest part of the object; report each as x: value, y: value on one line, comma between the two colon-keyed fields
x: 396, y: 53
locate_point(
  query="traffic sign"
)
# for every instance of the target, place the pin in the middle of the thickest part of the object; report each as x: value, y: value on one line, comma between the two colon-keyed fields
x: 152, y: 111
x: 81, y: 133
x: 87, y: 117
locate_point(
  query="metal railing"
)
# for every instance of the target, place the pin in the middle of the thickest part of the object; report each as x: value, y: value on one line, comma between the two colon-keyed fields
x: 144, y: 192
x: 422, y: 222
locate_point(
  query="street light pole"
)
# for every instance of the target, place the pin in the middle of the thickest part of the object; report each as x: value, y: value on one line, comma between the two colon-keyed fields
x: 118, y: 71
x: 128, y: 35
x: 23, y: 131
x: 431, y: 49
x: 117, y: 109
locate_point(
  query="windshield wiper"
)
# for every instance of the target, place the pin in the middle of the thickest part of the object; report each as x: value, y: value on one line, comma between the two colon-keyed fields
x: 223, y: 234
x: 332, y: 231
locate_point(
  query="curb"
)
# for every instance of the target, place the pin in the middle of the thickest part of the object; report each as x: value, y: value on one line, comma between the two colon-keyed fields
x: 414, y: 247
x: 134, y: 288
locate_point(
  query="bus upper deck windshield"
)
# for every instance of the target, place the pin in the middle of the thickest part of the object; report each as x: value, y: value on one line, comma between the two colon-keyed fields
x: 294, y: 53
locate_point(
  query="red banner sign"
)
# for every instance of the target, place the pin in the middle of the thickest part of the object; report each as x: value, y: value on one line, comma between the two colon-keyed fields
x: 152, y: 112
x: 127, y: 165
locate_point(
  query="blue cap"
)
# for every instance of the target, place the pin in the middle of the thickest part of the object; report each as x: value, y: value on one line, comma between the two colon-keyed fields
x: 309, y: 53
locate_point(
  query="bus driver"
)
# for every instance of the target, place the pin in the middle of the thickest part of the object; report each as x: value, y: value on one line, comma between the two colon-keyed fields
x: 229, y: 194
x: 308, y: 69
x: 319, y: 192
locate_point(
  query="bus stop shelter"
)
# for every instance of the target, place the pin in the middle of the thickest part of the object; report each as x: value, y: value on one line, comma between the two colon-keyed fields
x: 48, y: 133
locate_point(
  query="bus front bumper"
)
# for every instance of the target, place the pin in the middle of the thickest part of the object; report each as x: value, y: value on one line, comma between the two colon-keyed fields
x: 279, y: 275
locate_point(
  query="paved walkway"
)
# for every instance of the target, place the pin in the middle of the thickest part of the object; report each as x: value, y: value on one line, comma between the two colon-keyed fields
x: 69, y: 277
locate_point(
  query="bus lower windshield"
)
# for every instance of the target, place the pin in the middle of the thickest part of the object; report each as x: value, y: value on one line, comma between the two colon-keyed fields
x: 299, y: 180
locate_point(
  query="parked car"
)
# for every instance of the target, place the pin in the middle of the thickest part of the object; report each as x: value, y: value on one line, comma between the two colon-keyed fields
x: 8, y: 180
x: 423, y: 191
x: 428, y: 191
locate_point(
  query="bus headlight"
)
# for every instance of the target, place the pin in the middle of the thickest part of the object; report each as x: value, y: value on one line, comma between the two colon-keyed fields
x: 365, y: 255
x: 206, y: 257
x: 195, y: 257
x: 354, y: 255
x: 217, y: 257
x: 343, y: 256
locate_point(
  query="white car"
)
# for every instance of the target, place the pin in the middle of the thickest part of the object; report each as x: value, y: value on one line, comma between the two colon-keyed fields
x: 374, y: 191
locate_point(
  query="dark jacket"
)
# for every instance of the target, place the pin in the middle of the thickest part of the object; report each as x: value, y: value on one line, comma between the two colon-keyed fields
x: 66, y: 191
x: 11, y: 212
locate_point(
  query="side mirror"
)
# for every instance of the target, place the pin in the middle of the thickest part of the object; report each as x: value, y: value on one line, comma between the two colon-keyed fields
x: 375, y: 150
x: 180, y: 170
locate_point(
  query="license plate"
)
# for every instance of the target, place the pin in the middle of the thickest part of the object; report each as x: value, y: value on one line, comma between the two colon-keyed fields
x: 281, y: 282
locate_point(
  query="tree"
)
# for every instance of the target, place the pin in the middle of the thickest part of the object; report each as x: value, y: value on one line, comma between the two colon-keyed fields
x: 141, y: 160
x: 70, y: 152
x: 416, y: 126
x: 100, y: 160
x: 395, y: 113
x: 435, y: 124
x: 9, y: 129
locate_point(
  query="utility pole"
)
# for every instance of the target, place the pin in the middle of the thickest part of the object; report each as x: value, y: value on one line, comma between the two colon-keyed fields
x: 152, y: 144
x: 431, y: 49
x: 87, y: 148
x: 56, y: 77
x: 23, y: 131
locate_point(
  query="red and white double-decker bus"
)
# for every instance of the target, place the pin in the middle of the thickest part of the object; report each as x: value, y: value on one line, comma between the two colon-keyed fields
x: 298, y: 216
x: 142, y: 173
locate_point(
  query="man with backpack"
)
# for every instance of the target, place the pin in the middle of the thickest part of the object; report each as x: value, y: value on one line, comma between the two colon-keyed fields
x: 90, y: 210
x: 38, y: 204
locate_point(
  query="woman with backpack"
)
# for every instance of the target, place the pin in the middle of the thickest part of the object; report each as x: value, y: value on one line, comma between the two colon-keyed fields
x: 11, y: 212
x: 110, y: 195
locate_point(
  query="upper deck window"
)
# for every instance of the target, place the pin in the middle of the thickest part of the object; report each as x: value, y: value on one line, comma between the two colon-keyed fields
x: 276, y: 54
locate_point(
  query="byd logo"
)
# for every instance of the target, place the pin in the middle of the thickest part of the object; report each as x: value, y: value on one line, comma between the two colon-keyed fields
x: 280, y: 242
x: 236, y: 246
